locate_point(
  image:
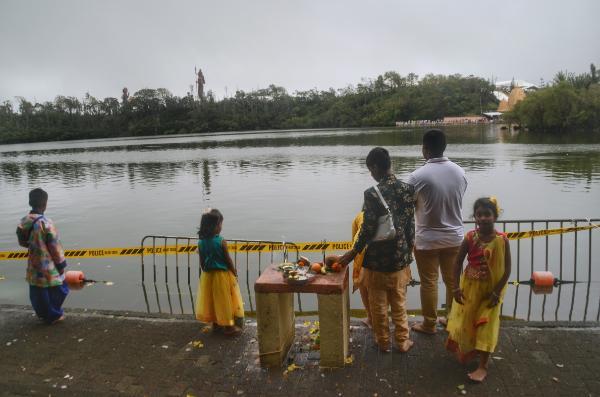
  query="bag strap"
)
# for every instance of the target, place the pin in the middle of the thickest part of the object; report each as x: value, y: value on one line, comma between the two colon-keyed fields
x: 32, y: 225
x: 382, y: 199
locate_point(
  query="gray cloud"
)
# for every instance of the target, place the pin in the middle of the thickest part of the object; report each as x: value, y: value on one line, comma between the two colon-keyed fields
x: 70, y: 47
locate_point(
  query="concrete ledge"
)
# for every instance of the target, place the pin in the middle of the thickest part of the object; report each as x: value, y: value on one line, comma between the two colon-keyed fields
x: 132, y: 354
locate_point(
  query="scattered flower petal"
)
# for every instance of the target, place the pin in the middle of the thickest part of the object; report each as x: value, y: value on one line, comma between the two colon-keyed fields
x: 165, y: 346
x: 349, y: 360
x: 293, y: 367
x: 560, y: 365
x: 198, y: 344
x: 497, y: 358
x: 460, y: 387
x: 80, y: 340
x: 554, y: 378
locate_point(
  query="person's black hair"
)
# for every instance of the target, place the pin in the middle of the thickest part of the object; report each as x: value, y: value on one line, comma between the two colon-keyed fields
x: 380, y: 157
x: 38, y: 198
x: 208, y: 223
x: 435, y: 141
x: 489, y: 203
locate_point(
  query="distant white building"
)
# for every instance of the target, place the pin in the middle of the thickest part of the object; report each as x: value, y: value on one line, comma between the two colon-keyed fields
x: 505, y: 85
x: 501, y: 96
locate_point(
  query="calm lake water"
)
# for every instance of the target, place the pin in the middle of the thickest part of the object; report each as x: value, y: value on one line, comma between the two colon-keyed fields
x: 293, y: 185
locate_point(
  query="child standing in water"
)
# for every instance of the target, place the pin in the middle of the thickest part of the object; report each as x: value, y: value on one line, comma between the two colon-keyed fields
x: 219, y: 299
x: 46, y: 261
x: 474, y: 322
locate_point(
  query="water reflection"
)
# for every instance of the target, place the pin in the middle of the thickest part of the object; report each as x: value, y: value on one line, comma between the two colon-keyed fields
x: 575, y: 137
x: 156, y: 161
x: 78, y: 174
x: 581, y: 166
x: 483, y: 134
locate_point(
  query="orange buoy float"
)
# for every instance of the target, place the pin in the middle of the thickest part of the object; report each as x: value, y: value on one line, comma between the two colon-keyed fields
x: 74, y: 277
x: 542, y: 282
x: 543, y: 279
x: 545, y: 290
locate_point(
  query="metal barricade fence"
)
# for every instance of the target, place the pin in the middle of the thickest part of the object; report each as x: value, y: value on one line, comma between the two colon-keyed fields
x: 569, y: 256
x: 186, y: 259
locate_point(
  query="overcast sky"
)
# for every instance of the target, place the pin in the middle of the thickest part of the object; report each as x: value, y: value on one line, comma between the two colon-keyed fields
x: 62, y: 47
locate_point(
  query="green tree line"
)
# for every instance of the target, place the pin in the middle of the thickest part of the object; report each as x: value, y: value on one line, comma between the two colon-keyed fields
x: 381, y: 101
x: 570, y: 102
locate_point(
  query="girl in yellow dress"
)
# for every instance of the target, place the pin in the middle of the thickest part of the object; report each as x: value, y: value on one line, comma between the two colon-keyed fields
x: 474, y: 321
x: 219, y: 299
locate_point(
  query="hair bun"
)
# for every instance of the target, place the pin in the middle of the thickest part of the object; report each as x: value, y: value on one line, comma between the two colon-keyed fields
x: 494, y: 201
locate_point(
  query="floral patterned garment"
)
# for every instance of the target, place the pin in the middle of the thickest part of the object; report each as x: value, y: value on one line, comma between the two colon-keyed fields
x: 45, y: 250
x: 392, y: 255
x: 477, y: 267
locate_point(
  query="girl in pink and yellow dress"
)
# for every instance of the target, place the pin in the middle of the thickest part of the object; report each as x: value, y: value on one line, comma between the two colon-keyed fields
x: 474, y: 321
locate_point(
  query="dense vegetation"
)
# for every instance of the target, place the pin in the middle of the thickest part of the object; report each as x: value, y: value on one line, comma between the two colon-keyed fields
x: 379, y: 102
x: 570, y: 102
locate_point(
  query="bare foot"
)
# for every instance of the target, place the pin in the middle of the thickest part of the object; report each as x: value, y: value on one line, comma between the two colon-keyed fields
x: 478, y: 375
x: 405, y: 346
x: 419, y: 327
x: 366, y: 322
x: 233, y: 330
x: 216, y: 327
x: 383, y: 348
x: 58, y: 320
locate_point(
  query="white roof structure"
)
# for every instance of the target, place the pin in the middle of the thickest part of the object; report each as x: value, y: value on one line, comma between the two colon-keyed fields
x: 518, y: 83
x: 501, y: 96
x: 492, y: 114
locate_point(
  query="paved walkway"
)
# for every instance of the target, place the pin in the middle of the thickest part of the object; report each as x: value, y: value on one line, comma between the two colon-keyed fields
x: 95, y: 354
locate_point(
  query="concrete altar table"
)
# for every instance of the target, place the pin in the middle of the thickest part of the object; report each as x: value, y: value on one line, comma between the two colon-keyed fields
x: 276, y: 320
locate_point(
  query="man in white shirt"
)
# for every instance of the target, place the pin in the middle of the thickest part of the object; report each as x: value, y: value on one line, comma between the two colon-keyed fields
x: 439, y: 185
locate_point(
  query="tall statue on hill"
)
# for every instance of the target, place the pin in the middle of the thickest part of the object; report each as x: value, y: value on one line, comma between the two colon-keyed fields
x: 200, y: 83
x: 125, y: 96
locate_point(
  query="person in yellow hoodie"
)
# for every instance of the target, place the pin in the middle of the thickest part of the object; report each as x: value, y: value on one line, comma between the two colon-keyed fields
x: 358, y: 274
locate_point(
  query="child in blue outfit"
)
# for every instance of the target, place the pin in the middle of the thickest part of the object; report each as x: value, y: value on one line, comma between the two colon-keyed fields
x: 219, y: 298
x: 46, y: 261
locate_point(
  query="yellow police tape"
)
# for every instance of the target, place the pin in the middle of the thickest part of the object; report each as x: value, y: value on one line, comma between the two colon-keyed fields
x: 252, y: 247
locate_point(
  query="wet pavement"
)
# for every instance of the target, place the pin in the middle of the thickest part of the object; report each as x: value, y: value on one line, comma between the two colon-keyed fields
x: 96, y: 353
